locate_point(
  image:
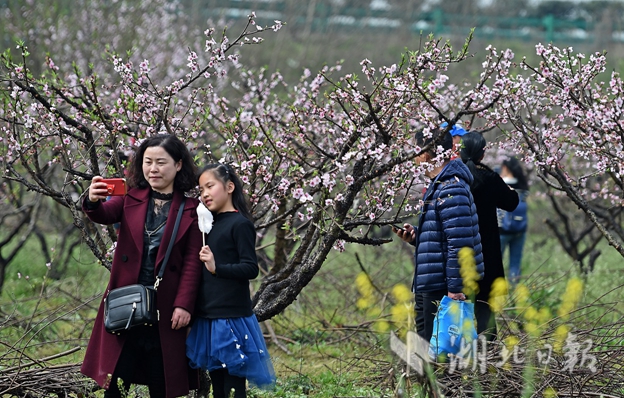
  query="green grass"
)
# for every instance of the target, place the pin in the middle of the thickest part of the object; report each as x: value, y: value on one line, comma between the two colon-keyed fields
x: 332, y: 350
x: 546, y: 268
x: 330, y: 370
x: 325, y: 313
x: 46, y: 316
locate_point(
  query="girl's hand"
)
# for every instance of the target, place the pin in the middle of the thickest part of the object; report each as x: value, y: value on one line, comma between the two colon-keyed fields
x: 98, y: 190
x: 206, y: 256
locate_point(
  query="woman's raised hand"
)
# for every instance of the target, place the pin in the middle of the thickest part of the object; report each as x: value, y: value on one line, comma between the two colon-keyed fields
x: 98, y: 190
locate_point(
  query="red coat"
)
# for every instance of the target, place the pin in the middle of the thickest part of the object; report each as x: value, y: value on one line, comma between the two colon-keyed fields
x: 178, y: 287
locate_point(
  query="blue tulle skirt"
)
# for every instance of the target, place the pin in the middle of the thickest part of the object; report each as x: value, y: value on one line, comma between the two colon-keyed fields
x: 235, y: 344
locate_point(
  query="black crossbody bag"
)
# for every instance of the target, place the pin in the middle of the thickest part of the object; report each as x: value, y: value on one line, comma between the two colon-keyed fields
x: 134, y: 305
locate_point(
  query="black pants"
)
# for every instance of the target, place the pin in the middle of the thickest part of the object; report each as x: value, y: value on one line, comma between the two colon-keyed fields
x: 141, y: 350
x: 486, y: 323
x: 426, y: 307
x: 223, y: 383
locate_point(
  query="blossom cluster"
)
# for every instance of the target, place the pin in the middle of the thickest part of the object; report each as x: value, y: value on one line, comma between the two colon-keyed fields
x: 329, y: 159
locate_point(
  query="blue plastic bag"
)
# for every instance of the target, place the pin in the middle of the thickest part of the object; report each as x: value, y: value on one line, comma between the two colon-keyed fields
x: 453, y: 328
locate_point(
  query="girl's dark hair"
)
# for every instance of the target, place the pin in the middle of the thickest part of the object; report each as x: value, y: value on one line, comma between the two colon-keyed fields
x: 445, y: 141
x: 515, y: 167
x: 471, y: 153
x: 225, y: 173
x: 185, y: 178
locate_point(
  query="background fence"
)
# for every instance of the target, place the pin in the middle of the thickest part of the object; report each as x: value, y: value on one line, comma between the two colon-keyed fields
x: 320, y: 17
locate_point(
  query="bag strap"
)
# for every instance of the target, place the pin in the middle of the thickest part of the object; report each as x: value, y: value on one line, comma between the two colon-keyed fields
x: 173, y: 236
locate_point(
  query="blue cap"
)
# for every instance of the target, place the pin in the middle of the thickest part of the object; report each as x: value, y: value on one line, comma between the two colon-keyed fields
x: 456, y: 130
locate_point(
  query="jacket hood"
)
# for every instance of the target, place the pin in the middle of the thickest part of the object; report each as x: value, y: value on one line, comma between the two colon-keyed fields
x: 455, y: 168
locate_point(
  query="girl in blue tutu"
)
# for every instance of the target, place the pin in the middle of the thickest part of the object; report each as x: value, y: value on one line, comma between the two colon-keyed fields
x: 225, y: 337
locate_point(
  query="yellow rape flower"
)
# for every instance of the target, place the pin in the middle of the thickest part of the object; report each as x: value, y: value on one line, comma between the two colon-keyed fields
x: 401, y: 313
x: 468, y: 271
x: 365, y: 302
x: 550, y: 393
x: 544, y: 315
x: 401, y: 293
x: 561, y: 334
x: 509, y: 344
x: 363, y: 284
x: 522, y: 295
x: 467, y: 330
x: 497, y: 304
x: 454, y: 308
x: 536, y: 320
x: 511, y: 341
x: 500, y: 287
x: 570, y: 298
x: 498, y: 292
x: 532, y: 329
x: 530, y: 314
x: 381, y: 326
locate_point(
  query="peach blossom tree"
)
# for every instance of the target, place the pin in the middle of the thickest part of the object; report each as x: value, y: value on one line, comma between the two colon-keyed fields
x: 565, y: 116
x: 325, y: 161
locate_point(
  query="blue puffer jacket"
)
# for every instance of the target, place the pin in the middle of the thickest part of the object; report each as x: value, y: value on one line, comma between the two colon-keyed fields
x: 448, y: 222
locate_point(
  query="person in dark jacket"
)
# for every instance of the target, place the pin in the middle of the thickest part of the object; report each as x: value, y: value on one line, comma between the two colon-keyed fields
x: 448, y: 222
x: 161, y: 172
x: 490, y: 193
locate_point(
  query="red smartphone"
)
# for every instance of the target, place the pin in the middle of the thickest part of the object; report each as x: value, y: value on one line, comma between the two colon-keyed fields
x: 116, y: 186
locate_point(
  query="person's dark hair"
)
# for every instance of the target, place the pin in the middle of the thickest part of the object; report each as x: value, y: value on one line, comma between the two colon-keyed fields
x: 515, y: 167
x: 185, y: 178
x: 445, y: 140
x: 471, y: 153
x: 225, y: 173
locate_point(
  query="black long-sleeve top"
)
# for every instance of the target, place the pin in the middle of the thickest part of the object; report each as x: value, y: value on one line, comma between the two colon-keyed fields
x: 225, y: 294
x: 152, y: 238
x: 490, y: 195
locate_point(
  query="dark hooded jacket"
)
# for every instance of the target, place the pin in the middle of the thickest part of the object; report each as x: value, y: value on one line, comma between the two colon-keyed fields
x: 448, y: 222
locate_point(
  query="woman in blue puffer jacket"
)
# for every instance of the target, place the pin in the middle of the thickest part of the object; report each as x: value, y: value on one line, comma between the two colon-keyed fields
x: 448, y: 222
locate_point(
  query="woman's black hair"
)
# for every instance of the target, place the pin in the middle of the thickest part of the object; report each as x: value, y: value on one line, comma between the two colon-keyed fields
x: 225, y: 173
x: 185, y: 178
x: 471, y: 153
x: 445, y: 141
x: 515, y: 167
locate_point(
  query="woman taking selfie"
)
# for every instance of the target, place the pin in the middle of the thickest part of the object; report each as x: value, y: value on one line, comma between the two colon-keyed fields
x: 161, y: 173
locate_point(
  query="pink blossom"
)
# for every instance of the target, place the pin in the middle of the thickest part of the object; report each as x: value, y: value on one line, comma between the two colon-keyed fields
x: 277, y: 26
x: 298, y: 193
x: 339, y: 245
x: 314, y: 181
